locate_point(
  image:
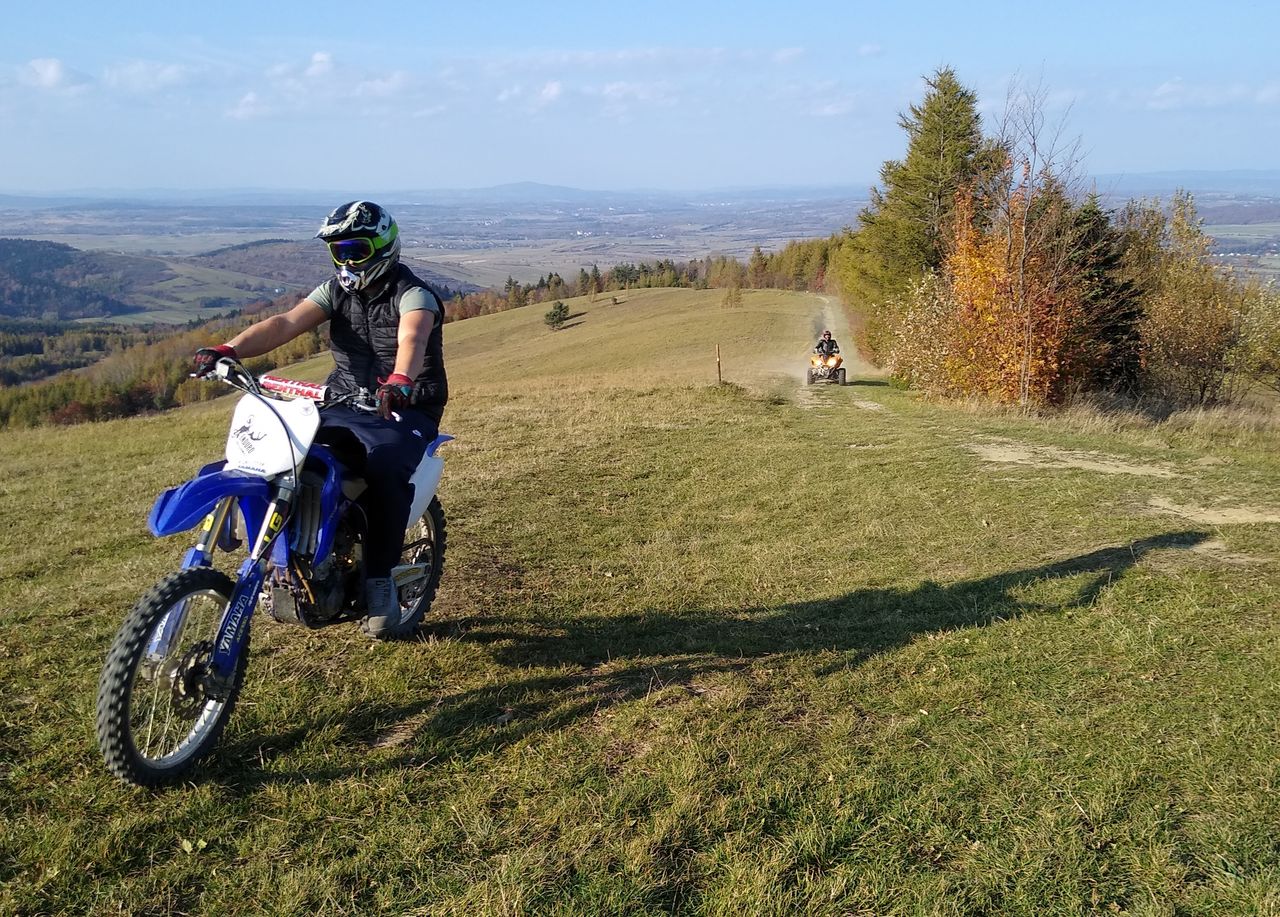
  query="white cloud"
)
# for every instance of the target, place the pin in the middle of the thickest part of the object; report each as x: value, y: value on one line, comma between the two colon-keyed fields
x: 383, y: 86
x: 145, y: 76
x: 550, y: 92
x: 869, y: 50
x: 621, y: 96
x: 787, y: 55
x: 834, y: 107
x: 622, y: 56
x: 636, y: 92
x: 1168, y: 94
x: 1268, y: 94
x: 1178, y: 94
x: 51, y: 74
x: 248, y: 108
x: 321, y: 65
x: 533, y: 99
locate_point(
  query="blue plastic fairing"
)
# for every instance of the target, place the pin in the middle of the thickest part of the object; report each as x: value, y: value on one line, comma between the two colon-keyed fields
x: 179, y: 508
x: 438, y: 442
x: 330, y: 496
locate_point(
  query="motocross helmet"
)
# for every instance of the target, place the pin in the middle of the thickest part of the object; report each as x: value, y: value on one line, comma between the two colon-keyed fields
x: 363, y: 241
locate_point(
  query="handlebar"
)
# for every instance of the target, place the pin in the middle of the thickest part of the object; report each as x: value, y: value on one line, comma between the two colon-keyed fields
x: 234, y: 373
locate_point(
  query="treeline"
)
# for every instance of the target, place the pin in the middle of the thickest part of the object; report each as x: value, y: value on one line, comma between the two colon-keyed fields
x: 35, y: 350
x: 149, y: 374
x: 980, y: 269
x: 799, y: 266
x: 52, y: 281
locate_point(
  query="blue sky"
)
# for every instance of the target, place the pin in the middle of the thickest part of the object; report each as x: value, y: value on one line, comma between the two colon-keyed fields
x: 392, y: 95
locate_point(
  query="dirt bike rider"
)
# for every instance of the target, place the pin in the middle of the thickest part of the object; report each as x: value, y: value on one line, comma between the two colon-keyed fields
x: 826, y: 345
x: 385, y: 336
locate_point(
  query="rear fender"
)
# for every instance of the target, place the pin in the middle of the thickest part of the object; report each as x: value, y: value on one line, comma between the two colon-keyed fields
x: 426, y: 478
x: 180, y: 508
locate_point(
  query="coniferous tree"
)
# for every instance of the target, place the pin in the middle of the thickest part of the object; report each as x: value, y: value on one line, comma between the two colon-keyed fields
x: 1111, y: 304
x: 904, y: 229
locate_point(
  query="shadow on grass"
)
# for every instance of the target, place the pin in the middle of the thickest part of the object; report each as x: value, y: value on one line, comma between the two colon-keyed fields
x: 878, y: 383
x: 620, y: 658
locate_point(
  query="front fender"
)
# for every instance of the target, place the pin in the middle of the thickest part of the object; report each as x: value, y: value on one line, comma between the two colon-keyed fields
x: 179, y: 508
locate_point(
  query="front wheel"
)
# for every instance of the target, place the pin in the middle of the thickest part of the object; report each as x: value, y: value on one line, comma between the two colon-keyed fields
x: 159, y: 710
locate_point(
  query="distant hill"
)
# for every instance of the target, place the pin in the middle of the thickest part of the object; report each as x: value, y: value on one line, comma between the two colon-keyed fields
x: 49, y: 280
x: 308, y: 203
x: 303, y: 264
x: 1246, y: 182
x: 52, y: 281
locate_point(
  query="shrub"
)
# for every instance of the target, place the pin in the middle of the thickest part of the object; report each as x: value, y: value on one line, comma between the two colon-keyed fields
x: 556, y: 316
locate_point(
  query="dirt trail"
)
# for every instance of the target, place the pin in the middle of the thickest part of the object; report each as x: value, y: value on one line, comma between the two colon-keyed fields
x: 834, y: 319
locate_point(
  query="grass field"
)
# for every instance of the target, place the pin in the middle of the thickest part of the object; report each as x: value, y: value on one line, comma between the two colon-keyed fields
x: 758, y: 648
x: 1245, y: 232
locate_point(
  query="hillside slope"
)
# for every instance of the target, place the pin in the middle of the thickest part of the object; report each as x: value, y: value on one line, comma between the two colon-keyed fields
x: 753, y: 649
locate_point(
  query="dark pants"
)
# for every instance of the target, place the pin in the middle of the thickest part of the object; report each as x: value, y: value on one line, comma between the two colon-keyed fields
x: 385, y: 453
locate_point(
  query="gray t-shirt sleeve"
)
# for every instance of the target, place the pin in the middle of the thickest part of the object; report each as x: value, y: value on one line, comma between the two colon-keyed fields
x: 412, y: 300
x: 418, y: 298
x: 320, y: 296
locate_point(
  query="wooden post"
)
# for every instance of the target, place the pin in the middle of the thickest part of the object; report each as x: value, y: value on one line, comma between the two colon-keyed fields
x: 719, y: 381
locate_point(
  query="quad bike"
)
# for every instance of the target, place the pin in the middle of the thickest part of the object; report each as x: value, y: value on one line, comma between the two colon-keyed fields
x: 178, y: 661
x: 825, y: 369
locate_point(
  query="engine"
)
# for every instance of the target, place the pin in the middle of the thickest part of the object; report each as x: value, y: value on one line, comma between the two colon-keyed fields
x: 313, y: 596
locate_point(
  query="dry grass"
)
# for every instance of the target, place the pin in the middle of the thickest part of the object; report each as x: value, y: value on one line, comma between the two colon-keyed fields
x: 697, y: 650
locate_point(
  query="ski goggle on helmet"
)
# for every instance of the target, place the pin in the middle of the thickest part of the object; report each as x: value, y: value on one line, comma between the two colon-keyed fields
x: 363, y: 241
x: 351, y: 251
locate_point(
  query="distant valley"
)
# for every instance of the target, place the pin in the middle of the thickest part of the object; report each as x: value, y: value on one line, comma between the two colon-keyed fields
x: 171, y: 258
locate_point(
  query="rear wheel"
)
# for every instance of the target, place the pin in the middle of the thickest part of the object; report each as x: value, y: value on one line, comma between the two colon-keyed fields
x: 159, y: 713
x: 424, y: 544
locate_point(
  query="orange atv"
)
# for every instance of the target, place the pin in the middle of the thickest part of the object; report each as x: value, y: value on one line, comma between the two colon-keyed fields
x: 825, y: 369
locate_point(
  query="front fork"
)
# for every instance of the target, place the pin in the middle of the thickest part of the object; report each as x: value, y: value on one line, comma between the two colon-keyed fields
x: 234, y: 626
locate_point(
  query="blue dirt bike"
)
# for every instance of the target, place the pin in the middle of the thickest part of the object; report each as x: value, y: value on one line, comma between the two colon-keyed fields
x: 177, y: 664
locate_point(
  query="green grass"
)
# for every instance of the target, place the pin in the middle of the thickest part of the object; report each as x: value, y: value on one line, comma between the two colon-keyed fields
x: 1245, y: 232
x: 744, y: 649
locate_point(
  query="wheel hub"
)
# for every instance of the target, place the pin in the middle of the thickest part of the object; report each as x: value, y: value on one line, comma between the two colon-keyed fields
x: 189, y: 678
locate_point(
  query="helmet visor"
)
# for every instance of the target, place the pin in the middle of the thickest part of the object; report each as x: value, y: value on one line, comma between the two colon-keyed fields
x: 351, y: 251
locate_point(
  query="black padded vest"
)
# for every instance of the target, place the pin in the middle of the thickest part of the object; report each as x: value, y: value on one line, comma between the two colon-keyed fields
x: 362, y: 333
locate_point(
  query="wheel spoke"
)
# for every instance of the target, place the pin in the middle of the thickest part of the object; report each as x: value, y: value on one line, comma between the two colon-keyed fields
x: 154, y: 718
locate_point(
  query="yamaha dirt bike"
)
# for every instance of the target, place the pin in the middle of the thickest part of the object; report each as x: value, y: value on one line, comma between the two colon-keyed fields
x: 177, y: 664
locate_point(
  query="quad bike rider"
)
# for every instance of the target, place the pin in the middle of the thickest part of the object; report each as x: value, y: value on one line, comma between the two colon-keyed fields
x: 824, y: 365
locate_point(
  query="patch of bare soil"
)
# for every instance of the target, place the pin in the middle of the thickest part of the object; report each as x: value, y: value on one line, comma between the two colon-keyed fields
x: 868, y: 405
x: 1222, y: 515
x: 1008, y: 452
x: 1219, y: 551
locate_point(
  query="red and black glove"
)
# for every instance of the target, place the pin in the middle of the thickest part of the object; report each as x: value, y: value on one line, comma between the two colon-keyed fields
x: 394, y: 394
x: 206, y: 357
